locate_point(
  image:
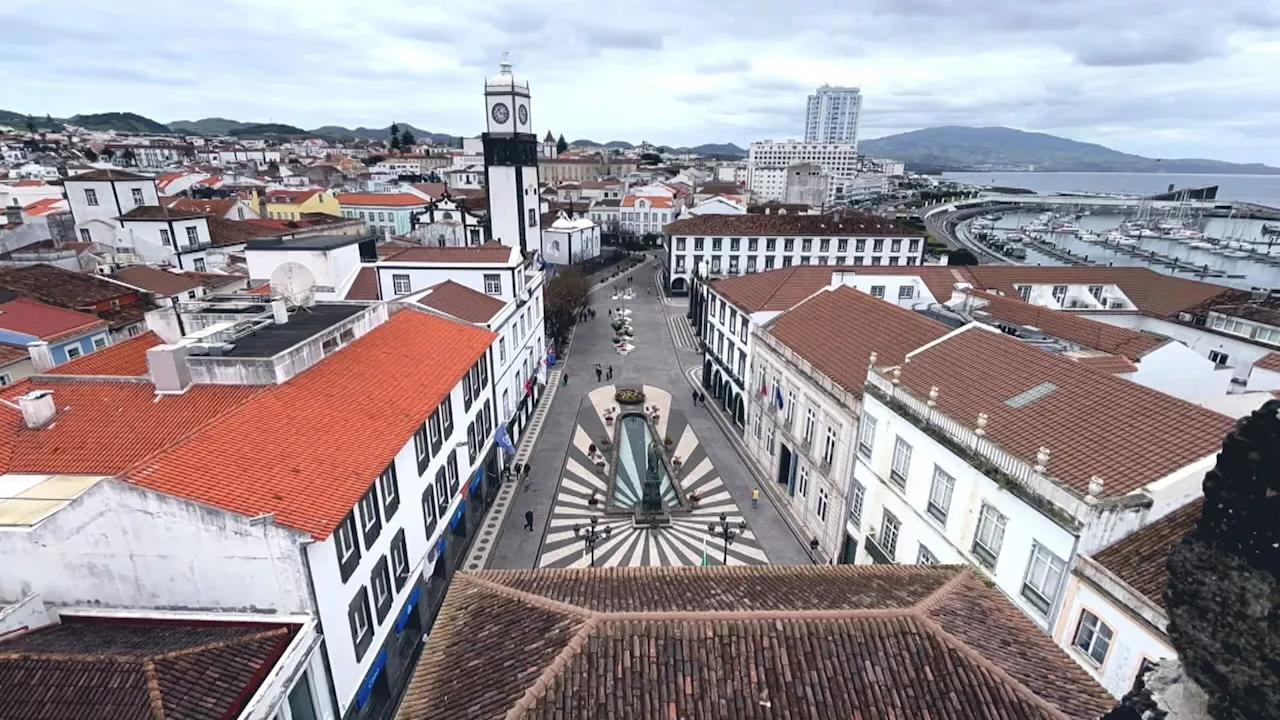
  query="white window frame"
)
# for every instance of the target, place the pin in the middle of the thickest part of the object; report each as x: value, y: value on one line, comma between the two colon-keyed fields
x: 857, y: 496
x: 926, y: 557
x: 91, y: 197
x: 802, y: 480
x: 99, y: 342
x: 1090, y: 636
x: 421, y: 443
x: 824, y: 502
x: 396, y: 285
x: 939, y: 503
x: 365, y: 617
x: 136, y: 194
x: 989, y: 531
x: 890, y: 549
x: 877, y: 291
x: 380, y: 578
x: 73, y: 352
x: 866, y: 435
x: 193, y: 235
x: 900, y: 467
x: 810, y: 425
x: 387, y: 487
x: 371, y: 500
x: 1043, y: 589
x: 348, y: 531
x: 829, y: 446
x: 906, y: 292
x: 493, y: 284
x: 399, y: 565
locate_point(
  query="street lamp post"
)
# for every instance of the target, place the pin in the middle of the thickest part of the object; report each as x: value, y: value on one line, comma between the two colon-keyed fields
x: 591, y: 536
x: 727, y: 532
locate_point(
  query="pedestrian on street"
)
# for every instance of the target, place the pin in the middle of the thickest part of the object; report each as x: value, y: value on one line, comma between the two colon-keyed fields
x: 695, y: 398
x: 599, y: 372
x: 610, y: 375
x: 755, y: 499
x: 526, y: 471
x: 610, y: 312
x: 564, y: 380
x: 702, y: 398
x: 528, y: 520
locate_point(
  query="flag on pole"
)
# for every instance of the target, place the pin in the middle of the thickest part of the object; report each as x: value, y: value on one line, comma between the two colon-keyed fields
x: 777, y: 396
x: 705, y: 559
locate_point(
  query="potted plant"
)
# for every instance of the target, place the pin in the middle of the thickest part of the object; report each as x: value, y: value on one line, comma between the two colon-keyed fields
x: 605, y: 441
x: 593, y: 500
x: 668, y: 440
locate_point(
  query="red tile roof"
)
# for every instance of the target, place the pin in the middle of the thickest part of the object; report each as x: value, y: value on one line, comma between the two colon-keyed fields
x: 212, y: 206
x: 1270, y: 361
x: 850, y: 223
x: 1113, y: 364
x: 461, y: 302
x: 161, y: 213
x: 156, y: 280
x: 333, y: 432
x: 1068, y: 326
x: 365, y: 286
x: 12, y: 353
x: 490, y: 253
x: 105, y: 175
x: 381, y: 199
x: 234, y: 232
x: 47, y: 322
x: 105, y: 427
x: 1093, y: 423
x: 782, y: 288
x: 655, y: 201
x: 951, y: 646
x: 127, y: 358
x: 290, y: 196
x: 29, y: 183
x: 1141, y: 559
x: 435, y: 190
x: 837, y: 330
x: 45, y: 206
x: 88, y: 668
x: 1153, y: 293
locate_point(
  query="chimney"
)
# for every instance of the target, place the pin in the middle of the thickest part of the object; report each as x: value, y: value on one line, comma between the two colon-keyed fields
x: 279, y: 311
x: 41, y: 356
x: 168, y: 367
x: 37, y: 408
x: 13, y: 213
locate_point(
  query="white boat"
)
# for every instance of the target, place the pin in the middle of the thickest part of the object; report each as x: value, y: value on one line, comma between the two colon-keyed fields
x: 1066, y: 227
x: 1201, y: 245
x: 1036, y: 227
x: 1089, y: 236
x: 1184, y: 234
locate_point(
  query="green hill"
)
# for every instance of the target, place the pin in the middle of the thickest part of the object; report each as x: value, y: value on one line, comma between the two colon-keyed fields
x: 209, y: 126
x: 119, y: 121
x: 265, y: 129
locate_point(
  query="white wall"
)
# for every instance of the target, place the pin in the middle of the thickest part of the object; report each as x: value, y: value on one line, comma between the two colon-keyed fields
x: 1177, y: 370
x: 330, y: 267
x: 470, y: 275
x: 1241, y: 353
x: 1262, y: 379
x: 144, y: 237
x: 1132, y: 641
x: 114, y: 200
x: 120, y: 545
x: 892, y: 287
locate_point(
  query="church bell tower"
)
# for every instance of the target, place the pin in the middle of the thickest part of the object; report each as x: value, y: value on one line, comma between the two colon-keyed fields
x: 511, y: 162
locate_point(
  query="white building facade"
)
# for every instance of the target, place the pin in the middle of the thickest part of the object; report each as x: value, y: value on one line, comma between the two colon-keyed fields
x: 570, y: 241
x: 767, y: 163
x: 98, y: 197
x: 832, y: 115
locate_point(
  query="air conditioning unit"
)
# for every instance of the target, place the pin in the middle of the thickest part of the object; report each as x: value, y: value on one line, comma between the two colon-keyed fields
x: 1185, y: 316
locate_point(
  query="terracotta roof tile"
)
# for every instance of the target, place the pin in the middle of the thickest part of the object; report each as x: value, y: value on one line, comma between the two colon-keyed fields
x: 234, y: 232
x: 435, y: 190
x: 703, y: 643
x: 1113, y: 364
x: 1141, y: 559
x: 89, y: 668
x: 489, y: 253
x: 45, y: 206
x: 105, y: 175
x: 1153, y: 293
x: 12, y: 353
x: 127, y: 358
x: 461, y: 302
x: 1270, y: 361
x: 851, y: 223
x: 211, y: 206
x: 782, y: 288
x: 161, y: 213
x: 104, y: 428
x: 1093, y: 423
x: 61, y: 287
x: 334, y: 432
x: 837, y: 330
x: 655, y: 201
x: 381, y: 199
x: 156, y: 280
x: 47, y: 322
x: 290, y: 197
x: 365, y: 286
x: 1068, y: 326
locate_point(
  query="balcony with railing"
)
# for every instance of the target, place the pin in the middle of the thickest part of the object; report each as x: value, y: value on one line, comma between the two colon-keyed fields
x: 1032, y: 483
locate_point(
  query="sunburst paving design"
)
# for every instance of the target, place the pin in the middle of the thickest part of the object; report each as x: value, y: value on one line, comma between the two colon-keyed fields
x: 585, y: 478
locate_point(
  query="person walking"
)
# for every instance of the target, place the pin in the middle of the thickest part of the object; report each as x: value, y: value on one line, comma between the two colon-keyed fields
x: 564, y: 380
x: 609, y: 376
x: 599, y: 372
x: 695, y: 398
x: 526, y: 471
x: 755, y: 500
x: 702, y: 398
x: 528, y: 520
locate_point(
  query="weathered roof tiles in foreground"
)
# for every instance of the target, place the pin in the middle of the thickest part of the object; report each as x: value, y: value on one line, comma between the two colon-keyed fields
x: 743, y: 642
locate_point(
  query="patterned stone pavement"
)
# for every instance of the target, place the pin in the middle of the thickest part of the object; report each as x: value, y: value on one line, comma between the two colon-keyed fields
x: 684, y: 541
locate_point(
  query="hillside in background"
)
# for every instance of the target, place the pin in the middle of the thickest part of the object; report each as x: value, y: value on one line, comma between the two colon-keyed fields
x: 121, y: 121
x: 968, y: 148
x: 209, y: 126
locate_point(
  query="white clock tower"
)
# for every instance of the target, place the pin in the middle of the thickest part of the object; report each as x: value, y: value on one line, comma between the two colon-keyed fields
x: 511, y: 162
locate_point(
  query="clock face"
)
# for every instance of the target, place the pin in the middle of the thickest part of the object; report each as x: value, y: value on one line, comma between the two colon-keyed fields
x: 500, y: 113
x: 522, y: 112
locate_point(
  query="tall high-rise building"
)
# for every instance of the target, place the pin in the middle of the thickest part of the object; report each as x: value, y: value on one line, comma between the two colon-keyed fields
x: 833, y: 115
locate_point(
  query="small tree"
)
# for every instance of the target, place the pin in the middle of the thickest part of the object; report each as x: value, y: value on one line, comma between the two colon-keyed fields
x: 963, y: 256
x: 109, y: 154
x: 407, y: 140
x: 90, y: 155
x: 566, y: 295
x: 129, y: 157
x: 395, y: 137
x: 561, y: 145
x: 31, y: 125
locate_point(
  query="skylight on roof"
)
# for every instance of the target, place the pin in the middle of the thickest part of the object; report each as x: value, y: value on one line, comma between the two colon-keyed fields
x: 1026, y: 397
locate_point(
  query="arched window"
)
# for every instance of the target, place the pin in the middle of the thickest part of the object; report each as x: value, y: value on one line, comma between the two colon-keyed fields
x: 555, y: 245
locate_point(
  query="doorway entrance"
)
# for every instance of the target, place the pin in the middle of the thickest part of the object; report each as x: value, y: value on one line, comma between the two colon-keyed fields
x: 786, y: 468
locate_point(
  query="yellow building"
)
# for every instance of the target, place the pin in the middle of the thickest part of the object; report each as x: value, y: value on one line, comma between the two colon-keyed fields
x: 292, y: 204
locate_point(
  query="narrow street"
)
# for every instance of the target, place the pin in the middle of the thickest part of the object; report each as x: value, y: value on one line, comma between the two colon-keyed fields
x: 663, y: 357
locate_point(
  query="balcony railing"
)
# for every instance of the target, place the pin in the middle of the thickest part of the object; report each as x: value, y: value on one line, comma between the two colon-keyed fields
x: 878, y: 555
x: 1006, y: 469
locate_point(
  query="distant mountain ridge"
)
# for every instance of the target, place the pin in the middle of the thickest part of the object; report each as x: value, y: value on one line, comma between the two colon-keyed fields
x: 986, y: 148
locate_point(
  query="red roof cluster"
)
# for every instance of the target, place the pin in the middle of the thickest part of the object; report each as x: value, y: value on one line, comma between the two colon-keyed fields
x: 1067, y: 326
x: 127, y: 358
x: 47, y: 322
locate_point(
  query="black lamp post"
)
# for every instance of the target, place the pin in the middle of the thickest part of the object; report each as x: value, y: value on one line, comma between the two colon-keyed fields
x: 591, y: 536
x: 724, y: 530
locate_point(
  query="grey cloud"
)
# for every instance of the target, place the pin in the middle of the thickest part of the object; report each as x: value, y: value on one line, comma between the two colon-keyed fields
x: 723, y: 67
x: 1130, y: 51
x: 624, y: 38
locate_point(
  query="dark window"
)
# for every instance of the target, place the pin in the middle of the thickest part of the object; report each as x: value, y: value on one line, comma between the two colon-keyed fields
x: 399, y: 560
x: 370, y: 522
x: 442, y: 494
x: 390, y: 490
x: 429, y: 509
x: 484, y: 369
x: 344, y: 539
x: 422, y: 448
x: 446, y: 414
x: 466, y: 390
x: 380, y: 584
x: 361, y: 623
x: 433, y: 425
x: 453, y: 474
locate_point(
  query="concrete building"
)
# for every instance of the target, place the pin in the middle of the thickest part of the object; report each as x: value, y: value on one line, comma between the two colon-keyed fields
x: 280, y: 204
x: 330, y: 263
x: 645, y: 214
x: 406, y: 466
x: 447, y: 223
x: 384, y: 213
x: 123, y: 308
x: 980, y: 449
x: 832, y: 115
x: 744, y: 244
x: 569, y: 241
x: 767, y: 163
x: 54, y: 335
x: 511, y: 162
x: 1113, y: 621
x: 97, y: 198
x: 806, y: 185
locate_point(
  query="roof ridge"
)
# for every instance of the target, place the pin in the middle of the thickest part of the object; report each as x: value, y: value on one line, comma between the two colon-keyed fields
x: 944, y: 590
x: 553, y: 670
x: 963, y: 648
x: 219, y: 644
x: 153, y: 689
x: 541, y: 601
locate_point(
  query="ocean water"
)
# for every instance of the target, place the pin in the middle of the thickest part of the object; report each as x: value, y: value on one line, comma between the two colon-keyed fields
x: 1261, y: 189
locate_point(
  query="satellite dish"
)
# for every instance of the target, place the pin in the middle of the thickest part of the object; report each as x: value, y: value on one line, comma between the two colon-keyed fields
x: 295, y: 284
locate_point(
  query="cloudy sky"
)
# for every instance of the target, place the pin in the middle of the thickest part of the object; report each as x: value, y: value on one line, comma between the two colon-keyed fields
x: 1164, y: 78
